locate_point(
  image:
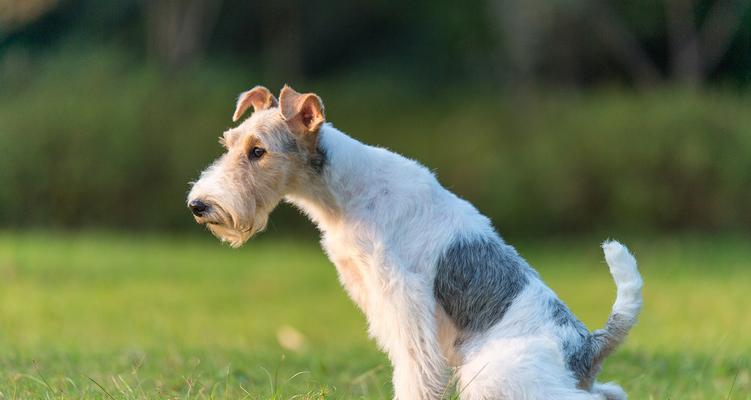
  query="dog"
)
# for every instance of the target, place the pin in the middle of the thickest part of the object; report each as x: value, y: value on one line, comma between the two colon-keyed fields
x: 443, y: 294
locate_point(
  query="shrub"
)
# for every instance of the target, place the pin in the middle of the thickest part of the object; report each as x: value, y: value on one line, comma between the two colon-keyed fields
x: 97, y: 139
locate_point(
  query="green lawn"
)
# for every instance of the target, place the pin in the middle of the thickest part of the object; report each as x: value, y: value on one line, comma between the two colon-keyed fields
x: 103, y: 316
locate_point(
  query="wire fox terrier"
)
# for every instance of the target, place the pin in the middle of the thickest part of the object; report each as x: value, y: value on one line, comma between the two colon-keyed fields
x: 439, y: 287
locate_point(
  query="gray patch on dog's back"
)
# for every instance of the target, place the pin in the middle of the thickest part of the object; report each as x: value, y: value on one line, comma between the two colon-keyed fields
x: 577, y: 343
x: 578, y: 354
x: 477, y: 279
x: 559, y: 312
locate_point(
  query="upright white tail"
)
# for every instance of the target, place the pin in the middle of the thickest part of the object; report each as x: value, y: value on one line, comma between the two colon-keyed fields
x: 628, y: 301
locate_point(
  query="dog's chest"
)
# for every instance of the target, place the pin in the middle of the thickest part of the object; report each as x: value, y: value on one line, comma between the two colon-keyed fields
x: 355, y: 268
x: 352, y: 277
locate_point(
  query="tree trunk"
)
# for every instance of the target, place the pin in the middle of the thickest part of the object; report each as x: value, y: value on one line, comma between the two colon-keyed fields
x: 520, y: 26
x: 718, y: 30
x: 624, y: 45
x: 178, y: 31
x: 685, y: 61
x: 282, y: 41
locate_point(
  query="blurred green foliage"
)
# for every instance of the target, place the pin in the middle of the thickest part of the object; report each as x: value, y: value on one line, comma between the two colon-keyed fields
x: 98, y: 139
x: 549, y: 116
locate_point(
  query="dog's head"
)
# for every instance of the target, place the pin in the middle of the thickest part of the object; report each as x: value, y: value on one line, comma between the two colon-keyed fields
x: 265, y: 157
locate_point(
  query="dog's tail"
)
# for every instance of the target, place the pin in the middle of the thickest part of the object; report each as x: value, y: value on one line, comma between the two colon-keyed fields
x: 628, y: 301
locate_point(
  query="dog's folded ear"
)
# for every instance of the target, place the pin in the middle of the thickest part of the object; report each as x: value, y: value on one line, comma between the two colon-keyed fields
x: 303, y: 112
x: 259, y: 97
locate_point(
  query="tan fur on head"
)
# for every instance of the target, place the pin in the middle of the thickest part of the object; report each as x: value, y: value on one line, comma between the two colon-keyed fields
x: 259, y: 98
x: 303, y: 112
x: 242, y: 189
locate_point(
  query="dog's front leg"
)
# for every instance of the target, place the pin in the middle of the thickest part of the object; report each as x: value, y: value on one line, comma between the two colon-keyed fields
x: 406, y: 327
x: 413, y: 379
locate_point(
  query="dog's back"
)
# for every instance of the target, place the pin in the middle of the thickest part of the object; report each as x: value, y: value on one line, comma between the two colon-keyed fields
x: 485, y: 288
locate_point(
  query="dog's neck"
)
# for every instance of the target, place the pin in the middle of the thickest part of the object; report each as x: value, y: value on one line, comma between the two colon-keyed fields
x: 331, y: 193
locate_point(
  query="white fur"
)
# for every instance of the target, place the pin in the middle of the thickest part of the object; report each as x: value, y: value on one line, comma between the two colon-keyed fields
x: 392, y: 221
x: 622, y: 264
x: 523, y: 368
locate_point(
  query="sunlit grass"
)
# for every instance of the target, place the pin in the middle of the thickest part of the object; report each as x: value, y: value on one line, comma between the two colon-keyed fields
x: 102, y: 316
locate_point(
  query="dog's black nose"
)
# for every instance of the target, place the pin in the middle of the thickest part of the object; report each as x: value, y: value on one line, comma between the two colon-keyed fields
x: 198, y: 208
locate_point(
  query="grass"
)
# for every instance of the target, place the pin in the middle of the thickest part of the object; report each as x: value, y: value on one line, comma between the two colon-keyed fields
x: 125, y: 316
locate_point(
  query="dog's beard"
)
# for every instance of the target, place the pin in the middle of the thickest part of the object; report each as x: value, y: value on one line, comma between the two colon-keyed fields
x: 230, y: 235
x: 234, y: 230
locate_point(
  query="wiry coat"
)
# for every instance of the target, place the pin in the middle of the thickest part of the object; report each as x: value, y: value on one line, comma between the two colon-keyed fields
x: 439, y: 287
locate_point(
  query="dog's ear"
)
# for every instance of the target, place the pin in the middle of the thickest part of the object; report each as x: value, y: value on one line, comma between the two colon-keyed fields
x: 259, y: 97
x: 303, y: 112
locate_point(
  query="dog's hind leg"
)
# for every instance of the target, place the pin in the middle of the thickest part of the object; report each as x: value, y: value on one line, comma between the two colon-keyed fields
x: 519, y: 368
x: 610, y: 391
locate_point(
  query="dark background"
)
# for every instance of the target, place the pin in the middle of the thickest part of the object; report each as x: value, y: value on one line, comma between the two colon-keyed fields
x: 550, y: 116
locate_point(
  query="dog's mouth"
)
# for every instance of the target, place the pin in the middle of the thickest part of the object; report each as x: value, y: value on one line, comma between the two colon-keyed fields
x: 227, y: 227
x: 216, y: 216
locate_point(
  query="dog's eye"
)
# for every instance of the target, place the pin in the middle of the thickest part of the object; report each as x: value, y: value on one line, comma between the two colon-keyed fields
x: 256, y: 153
